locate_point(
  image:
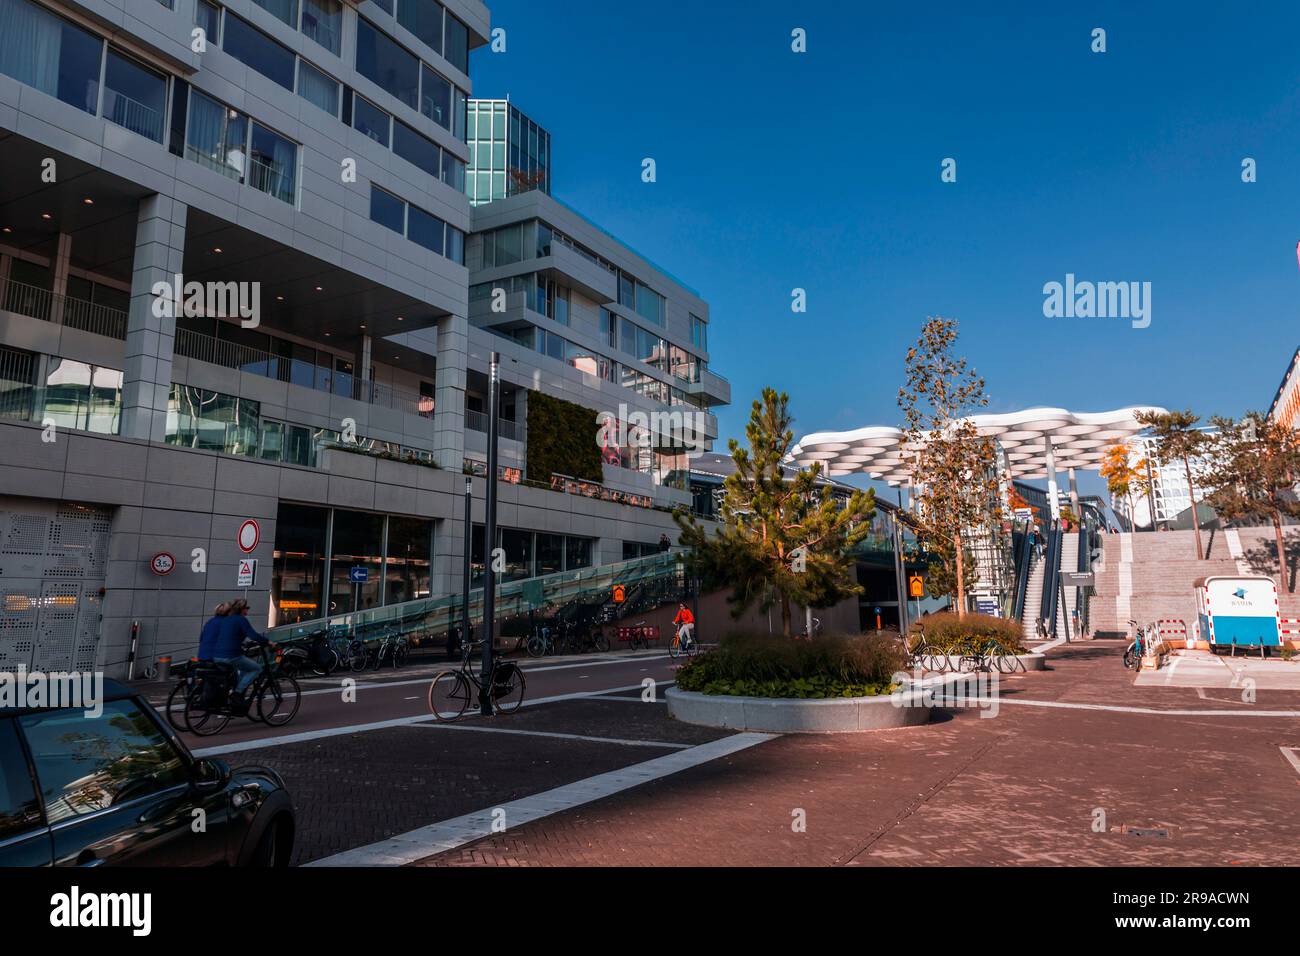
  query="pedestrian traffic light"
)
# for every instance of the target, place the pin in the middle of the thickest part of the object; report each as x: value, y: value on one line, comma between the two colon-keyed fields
x: 915, y: 586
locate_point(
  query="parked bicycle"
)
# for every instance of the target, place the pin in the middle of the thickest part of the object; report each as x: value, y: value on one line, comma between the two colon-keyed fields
x: 392, y: 648
x: 1140, y: 646
x: 921, y: 654
x: 272, y: 697
x: 452, y: 691
x: 315, y: 656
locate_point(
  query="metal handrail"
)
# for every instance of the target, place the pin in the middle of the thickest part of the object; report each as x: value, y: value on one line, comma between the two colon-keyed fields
x: 1022, y: 574
x: 1051, y: 577
x: 478, y: 422
x: 38, y: 303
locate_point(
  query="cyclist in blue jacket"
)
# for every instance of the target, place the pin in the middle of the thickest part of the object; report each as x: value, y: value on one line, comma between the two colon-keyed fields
x: 233, y: 630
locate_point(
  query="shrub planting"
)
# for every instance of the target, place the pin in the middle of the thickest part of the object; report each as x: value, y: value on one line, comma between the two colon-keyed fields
x: 949, y: 633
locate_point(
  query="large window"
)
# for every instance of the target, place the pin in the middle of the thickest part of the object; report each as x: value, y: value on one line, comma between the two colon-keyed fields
x: 318, y: 89
x: 370, y: 120
x: 134, y: 97
x: 358, y: 542
x: 272, y: 163
x: 208, y: 16
x: 49, y: 53
x: 435, y: 97
x: 457, y: 48
x: 424, y: 19
x: 426, y: 230
x: 699, y: 333
x: 217, y: 136
x: 254, y: 48
x: 298, y: 569
x: 286, y: 10
x: 83, y: 397
x: 406, y: 567
x: 198, y: 418
x: 386, y: 64
x: 322, y: 21
x: 416, y: 149
x: 387, y: 210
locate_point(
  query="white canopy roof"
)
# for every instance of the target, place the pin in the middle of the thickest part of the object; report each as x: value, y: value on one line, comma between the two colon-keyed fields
x: 1079, y: 440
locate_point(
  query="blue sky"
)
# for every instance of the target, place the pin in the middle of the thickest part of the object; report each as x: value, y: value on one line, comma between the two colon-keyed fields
x: 821, y: 170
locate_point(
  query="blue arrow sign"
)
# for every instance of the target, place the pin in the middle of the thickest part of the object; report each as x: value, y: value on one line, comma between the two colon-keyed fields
x: 359, y: 575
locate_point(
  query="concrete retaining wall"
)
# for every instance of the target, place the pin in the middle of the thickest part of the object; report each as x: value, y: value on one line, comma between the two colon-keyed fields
x: 777, y: 715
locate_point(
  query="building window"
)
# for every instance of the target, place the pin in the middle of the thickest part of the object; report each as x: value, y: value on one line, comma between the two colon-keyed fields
x: 425, y: 230
x: 318, y: 89
x: 83, y: 397
x: 208, y: 17
x: 254, y: 48
x: 417, y: 149
x: 358, y: 542
x: 298, y: 563
x: 457, y: 48
x: 699, y: 333
x: 387, y: 65
x: 48, y: 53
x: 370, y: 120
x: 217, y: 136
x: 286, y: 10
x: 406, y: 566
x: 198, y: 418
x: 424, y: 19
x: 135, y: 98
x: 387, y: 210
x: 272, y: 164
x: 435, y: 97
x: 322, y: 21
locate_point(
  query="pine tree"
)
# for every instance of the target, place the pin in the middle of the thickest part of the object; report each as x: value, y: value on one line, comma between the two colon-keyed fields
x: 783, y: 538
x: 1178, y: 438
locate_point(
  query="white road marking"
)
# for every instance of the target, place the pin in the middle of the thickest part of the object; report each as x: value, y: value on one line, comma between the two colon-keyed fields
x: 450, y: 834
x: 1120, y: 709
x: 1292, y: 754
x: 306, y: 735
x: 546, y: 733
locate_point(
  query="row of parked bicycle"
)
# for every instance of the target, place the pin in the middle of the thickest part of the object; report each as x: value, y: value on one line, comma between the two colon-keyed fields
x: 964, y: 657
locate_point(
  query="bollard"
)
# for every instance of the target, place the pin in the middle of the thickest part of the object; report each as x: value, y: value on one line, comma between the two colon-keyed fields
x: 165, y: 668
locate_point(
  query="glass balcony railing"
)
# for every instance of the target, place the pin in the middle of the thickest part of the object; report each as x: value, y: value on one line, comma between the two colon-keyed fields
x: 646, y: 581
x: 243, y: 358
x: 129, y: 114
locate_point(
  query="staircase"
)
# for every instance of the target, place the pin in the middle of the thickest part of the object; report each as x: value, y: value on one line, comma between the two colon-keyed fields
x: 1148, y: 576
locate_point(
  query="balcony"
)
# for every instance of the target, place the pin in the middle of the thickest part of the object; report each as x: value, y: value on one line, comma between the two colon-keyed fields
x: 214, y: 351
x: 478, y: 422
x: 38, y: 303
x: 711, y: 386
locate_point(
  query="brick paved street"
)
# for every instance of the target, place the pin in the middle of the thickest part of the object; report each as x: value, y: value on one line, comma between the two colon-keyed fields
x: 1018, y: 789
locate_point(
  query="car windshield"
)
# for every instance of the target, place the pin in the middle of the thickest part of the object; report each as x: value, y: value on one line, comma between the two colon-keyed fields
x: 89, y: 763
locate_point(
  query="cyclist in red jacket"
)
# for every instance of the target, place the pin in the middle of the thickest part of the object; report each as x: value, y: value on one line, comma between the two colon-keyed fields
x: 685, y: 624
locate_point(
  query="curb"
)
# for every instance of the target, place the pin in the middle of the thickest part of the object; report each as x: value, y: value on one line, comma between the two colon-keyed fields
x: 778, y: 715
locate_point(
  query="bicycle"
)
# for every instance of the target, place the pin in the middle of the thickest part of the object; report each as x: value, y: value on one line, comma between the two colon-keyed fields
x: 390, y: 647
x: 683, y: 645
x: 925, y: 656
x: 540, y: 642
x: 209, y: 706
x: 1134, y: 653
x: 452, y: 691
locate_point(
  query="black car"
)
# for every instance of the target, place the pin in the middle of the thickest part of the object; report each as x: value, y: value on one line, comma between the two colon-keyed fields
x: 121, y: 788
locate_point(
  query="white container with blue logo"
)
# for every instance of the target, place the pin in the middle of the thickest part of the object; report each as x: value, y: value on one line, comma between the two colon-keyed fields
x: 1237, y: 611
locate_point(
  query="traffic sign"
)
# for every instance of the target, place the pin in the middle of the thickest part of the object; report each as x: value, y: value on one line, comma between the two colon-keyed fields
x: 915, y: 586
x: 247, y: 572
x: 620, y: 594
x: 1078, y: 579
x: 162, y: 564
x: 359, y: 575
x: 250, y: 533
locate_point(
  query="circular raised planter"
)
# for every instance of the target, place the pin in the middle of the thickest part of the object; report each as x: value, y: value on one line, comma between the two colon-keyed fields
x: 838, y: 715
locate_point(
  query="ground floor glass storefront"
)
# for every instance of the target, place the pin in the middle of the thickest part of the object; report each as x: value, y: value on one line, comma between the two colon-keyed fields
x: 313, y: 545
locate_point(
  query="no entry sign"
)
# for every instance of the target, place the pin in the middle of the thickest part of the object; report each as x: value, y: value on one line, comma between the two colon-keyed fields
x: 249, y: 535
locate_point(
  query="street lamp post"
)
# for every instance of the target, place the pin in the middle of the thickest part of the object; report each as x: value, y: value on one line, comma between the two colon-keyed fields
x: 469, y: 544
x: 490, y: 535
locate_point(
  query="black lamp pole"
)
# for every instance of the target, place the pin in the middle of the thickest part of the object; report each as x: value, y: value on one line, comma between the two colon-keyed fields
x: 490, y: 535
x: 469, y: 544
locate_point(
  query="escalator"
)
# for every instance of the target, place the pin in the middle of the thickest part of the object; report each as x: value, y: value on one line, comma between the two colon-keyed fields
x: 581, y: 598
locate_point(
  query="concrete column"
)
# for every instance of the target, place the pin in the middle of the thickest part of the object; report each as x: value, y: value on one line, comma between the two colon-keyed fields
x: 159, y: 257
x: 1052, y: 490
x: 1074, y: 495
x: 449, y: 393
x: 62, y: 259
x: 364, y: 361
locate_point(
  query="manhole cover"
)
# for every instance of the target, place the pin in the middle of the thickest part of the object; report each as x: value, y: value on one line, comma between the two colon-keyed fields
x: 1158, y: 832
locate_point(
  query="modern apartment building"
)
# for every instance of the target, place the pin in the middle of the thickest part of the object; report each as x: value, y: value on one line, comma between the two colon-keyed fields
x: 297, y: 168
x: 1169, y: 490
